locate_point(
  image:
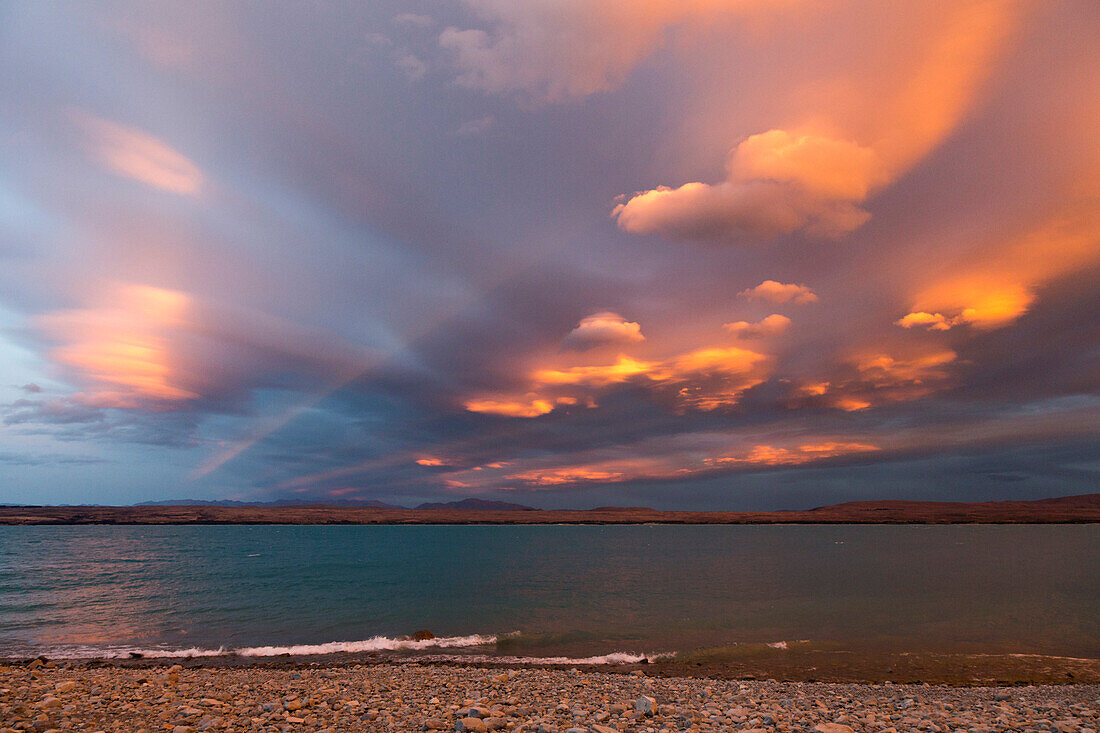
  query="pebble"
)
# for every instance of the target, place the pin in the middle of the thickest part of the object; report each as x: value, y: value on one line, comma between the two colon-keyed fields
x: 476, y: 725
x: 416, y: 696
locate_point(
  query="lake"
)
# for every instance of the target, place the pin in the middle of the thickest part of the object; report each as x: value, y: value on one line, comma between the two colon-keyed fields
x: 547, y: 591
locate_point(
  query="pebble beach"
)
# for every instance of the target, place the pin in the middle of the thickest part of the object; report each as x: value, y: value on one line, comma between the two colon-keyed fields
x: 71, y: 696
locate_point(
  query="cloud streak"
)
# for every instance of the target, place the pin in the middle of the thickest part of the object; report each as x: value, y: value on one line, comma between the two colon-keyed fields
x: 135, y: 154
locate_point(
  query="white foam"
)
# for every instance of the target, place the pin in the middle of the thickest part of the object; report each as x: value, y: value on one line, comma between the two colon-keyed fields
x: 612, y: 658
x: 374, y: 644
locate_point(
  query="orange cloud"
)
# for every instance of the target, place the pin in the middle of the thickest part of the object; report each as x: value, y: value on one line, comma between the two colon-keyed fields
x: 704, y: 379
x: 122, y: 349
x: 708, y: 379
x: 778, y: 292
x: 876, y: 379
x: 885, y: 369
x: 602, y: 329
x: 510, y: 408
x: 942, y: 88
x: 777, y: 182
x: 998, y: 287
x: 556, y: 476
x: 931, y: 321
x: 813, y: 176
x: 989, y: 304
x: 660, y: 461
x: 131, y: 153
x: 430, y: 461
x: 772, y: 325
x: 820, y: 166
x: 766, y: 455
x: 812, y: 389
x: 343, y: 492
x: 597, y: 375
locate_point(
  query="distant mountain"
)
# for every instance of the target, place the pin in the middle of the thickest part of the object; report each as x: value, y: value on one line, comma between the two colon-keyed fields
x: 470, y: 503
x: 1062, y: 510
x: 371, y: 503
x: 478, y: 504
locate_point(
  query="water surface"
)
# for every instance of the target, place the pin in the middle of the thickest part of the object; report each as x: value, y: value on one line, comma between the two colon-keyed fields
x: 568, y: 590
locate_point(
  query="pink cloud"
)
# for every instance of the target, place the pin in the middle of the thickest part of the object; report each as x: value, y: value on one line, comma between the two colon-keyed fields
x: 134, y: 154
x: 777, y: 182
x: 772, y: 325
x: 778, y: 292
x: 602, y: 329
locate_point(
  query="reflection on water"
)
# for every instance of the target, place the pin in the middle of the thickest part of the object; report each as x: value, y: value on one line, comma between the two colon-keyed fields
x: 569, y: 590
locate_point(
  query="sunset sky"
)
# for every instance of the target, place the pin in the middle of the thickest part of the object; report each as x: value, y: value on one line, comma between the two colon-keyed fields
x: 568, y: 253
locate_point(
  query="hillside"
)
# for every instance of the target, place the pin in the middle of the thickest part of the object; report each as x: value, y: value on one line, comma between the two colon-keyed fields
x: 1069, y: 509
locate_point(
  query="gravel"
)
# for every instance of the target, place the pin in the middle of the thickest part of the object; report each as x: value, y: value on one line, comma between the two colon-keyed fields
x: 413, y: 697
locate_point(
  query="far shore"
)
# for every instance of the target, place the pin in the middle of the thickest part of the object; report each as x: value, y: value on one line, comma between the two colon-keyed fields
x: 1065, y: 510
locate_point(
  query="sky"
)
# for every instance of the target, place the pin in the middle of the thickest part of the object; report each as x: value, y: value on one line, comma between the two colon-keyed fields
x: 711, y: 254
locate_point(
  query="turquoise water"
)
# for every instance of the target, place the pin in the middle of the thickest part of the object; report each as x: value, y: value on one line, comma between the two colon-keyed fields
x: 568, y: 590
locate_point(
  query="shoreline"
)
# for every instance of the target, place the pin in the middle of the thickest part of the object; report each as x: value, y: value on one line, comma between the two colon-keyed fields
x: 1065, y: 510
x: 414, y: 696
x: 745, y: 663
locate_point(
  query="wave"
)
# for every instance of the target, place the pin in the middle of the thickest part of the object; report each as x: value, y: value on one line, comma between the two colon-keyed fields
x: 374, y: 644
x: 612, y: 658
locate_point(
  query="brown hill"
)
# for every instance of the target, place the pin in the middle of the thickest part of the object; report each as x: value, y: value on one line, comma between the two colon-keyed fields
x: 1069, y: 509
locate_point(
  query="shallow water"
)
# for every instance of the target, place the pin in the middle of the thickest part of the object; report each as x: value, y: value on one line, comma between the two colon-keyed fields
x: 574, y: 591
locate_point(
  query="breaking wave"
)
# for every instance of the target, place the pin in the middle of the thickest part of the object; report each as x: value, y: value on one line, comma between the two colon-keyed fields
x: 612, y: 658
x: 374, y: 644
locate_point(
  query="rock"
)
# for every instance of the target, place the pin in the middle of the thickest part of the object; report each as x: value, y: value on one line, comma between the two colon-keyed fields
x: 422, y: 635
x: 477, y: 725
x: 477, y: 712
x: 833, y: 728
x: 435, y: 724
x: 293, y: 705
x: 67, y: 686
x: 602, y: 729
x: 496, y: 723
x: 646, y: 705
x: 50, y: 702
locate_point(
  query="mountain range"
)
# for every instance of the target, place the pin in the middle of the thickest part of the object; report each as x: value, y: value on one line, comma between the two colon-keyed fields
x: 468, y: 503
